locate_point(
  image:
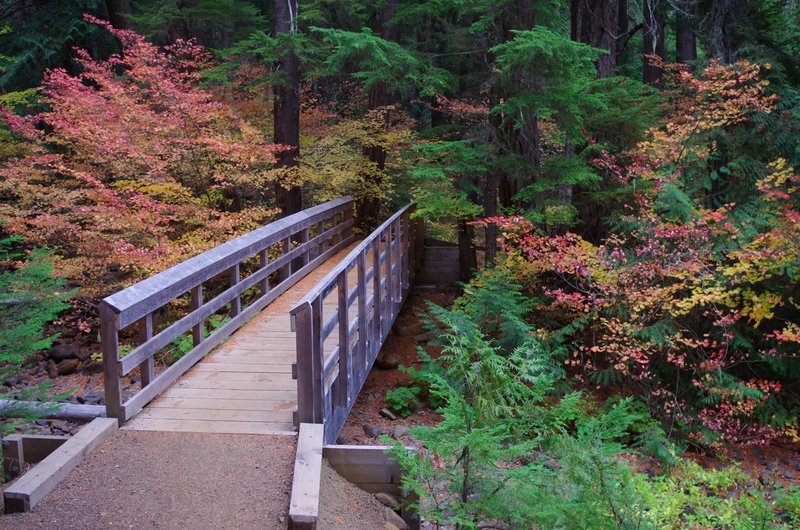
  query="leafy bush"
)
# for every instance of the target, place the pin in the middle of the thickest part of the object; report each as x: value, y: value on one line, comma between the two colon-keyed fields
x: 404, y: 399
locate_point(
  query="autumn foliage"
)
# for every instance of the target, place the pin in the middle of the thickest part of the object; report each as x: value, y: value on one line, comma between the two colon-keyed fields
x: 691, y: 300
x: 133, y: 167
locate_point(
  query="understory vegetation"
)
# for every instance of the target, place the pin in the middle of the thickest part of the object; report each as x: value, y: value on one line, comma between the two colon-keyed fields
x: 620, y: 178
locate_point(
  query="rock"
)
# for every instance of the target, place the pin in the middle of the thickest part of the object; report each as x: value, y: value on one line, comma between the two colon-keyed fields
x: 772, y: 466
x: 766, y: 478
x: 62, y: 352
x: 388, y: 414
x: 388, y: 360
x: 52, y: 371
x: 92, y: 397
x: 394, y: 519
x: 94, y: 367
x: 400, y: 431
x: 373, y: 431
x: 40, y: 423
x: 388, y: 500
x: 12, y: 381
x: 389, y: 526
x: 68, y: 366
x: 343, y: 439
x: 788, y: 475
x: 408, y: 330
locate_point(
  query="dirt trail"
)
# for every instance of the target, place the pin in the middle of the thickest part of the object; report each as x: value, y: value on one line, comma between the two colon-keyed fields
x: 141, y: 479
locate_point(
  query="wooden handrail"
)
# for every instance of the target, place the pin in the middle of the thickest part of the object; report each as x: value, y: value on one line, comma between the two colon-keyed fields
x: 139, y: 302
x: 371, y: 284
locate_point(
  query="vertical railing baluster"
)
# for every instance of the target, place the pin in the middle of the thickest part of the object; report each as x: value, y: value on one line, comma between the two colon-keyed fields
x: 236, y: 302
x: 345, y: 366
x: 198, y: 331
x: 147, y: 369
x: 286, y: 270
x: 264, y: 284
x: 318, y: 360
x: 110, y: 340
x: 376, y: 290
x: 388, y: 302
x: 305, y: 258
x: 363, y: 333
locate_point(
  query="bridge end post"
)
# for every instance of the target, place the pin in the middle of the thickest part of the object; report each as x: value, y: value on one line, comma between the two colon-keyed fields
x: 109, y: 338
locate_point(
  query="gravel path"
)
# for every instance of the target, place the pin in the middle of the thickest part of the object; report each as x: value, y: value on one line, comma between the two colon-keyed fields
x: 141, y: 479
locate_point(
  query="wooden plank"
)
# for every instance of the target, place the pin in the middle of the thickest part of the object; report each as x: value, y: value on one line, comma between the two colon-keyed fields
x: 32, y: 487
x: 194, y: 376
x: 216, y: 427
x: 204, y: 393
x: 221, y: 404
x: 304, y: 503
x: 242, y: 367
x: 287, y: 384
x: 261, y: 416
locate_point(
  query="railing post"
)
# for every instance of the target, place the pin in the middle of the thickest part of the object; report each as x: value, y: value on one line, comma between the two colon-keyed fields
x: 147, y: 369
x: 309, y: 372
x: 110, y: 342
x: 345, y: 366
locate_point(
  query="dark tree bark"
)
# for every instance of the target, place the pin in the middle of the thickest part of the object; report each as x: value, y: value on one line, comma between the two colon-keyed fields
x: 596, y: 22
x: 117, y: 9
x: 490, y: 210
x: 685, y: 40
x: 722, y: 41
x: 652, y: 42
x: 287, y: 106
x: 622, y: 30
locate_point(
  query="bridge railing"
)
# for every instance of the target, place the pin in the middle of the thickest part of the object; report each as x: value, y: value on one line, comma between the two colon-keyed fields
x: 302, y: 240
x: 343, y: 321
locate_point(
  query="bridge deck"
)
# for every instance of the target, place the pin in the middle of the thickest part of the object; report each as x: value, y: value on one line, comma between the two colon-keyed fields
x: 245, y: 385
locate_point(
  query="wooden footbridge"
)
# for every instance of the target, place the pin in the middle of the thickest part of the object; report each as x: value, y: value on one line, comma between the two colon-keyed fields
x: 281, y: 326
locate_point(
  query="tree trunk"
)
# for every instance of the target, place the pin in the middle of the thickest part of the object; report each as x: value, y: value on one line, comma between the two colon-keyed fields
x: 466, y: 250
x: 490, y: 210
x: 685, y: 40
x: 721, y: 38
x: 369, y: 208
x: 652, y: 42
x: 622, y: 30
x: 287, y: 106
x: 596, y: 22
x: 117, y: 9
